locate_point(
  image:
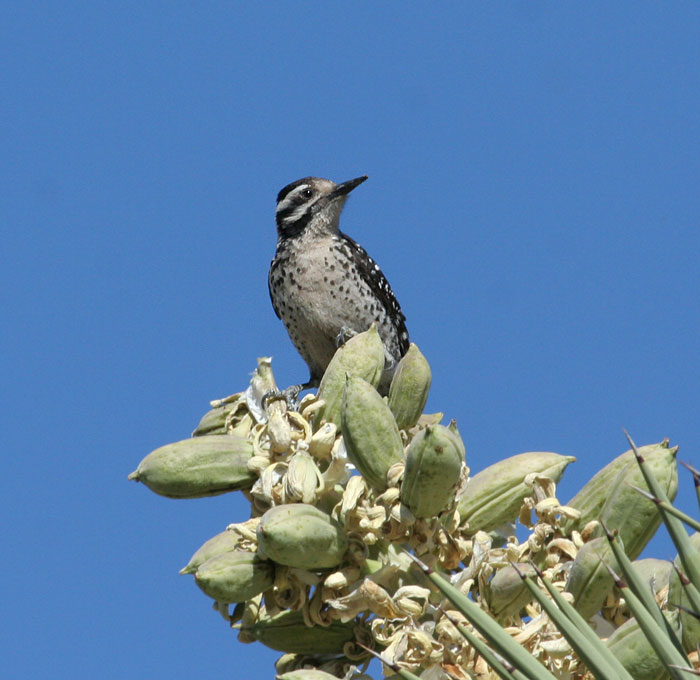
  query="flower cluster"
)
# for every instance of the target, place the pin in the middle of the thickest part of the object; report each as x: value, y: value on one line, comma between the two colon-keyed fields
x: 320, y: 571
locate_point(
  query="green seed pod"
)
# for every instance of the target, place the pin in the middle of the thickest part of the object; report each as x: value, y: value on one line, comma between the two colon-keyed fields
x: 287, y: 632
x: 507, y: 593
x: 306, y: 674
x: 632, y: 649
x: 589, y: 580
x: 654, y: 572
x: 370, y: 433
x: 493, y: 496
x: 235, y: 576
x: 677, y: 596
x: 300, y: 535
x: 221, y: 543
x: 590, y: 499
x: 213, y: 421
x: 637, y: 518
x: 409, y: 388
x: 363, y: 356
x: 433, y: 466
x: 198, y: 467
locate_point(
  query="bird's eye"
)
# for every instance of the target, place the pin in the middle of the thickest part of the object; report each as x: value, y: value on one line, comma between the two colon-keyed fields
x: 307, y: 193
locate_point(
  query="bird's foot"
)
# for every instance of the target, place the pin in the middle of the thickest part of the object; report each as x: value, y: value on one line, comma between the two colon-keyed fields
x: 290, y: 395
x: 344, y: 335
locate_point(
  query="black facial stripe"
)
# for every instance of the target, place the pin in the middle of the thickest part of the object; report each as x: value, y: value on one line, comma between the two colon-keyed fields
x: 286, y: 212
x: 290, y: 187
x: 289, y: 228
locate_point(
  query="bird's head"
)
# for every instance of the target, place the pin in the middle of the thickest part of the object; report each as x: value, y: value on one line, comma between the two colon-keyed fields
x: 312, y: 201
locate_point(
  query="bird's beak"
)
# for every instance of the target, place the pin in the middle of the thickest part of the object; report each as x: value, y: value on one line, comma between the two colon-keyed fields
x: 346, y: 187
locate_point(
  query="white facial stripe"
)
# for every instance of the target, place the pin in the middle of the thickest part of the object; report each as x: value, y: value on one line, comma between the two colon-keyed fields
x: 296, y: 214
x: 288, y: 200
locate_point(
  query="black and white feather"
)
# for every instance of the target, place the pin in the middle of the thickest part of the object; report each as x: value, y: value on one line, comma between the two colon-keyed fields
x: 324, y: 285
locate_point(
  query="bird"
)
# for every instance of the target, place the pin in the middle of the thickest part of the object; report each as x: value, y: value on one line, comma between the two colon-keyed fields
x: 323, y: 285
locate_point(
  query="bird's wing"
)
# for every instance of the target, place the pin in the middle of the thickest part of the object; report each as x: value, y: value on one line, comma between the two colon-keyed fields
x: 378, y: 284
x: 269, y: 287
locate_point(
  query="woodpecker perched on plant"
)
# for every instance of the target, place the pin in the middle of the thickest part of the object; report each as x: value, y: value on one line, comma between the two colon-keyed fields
x: 323, y: 285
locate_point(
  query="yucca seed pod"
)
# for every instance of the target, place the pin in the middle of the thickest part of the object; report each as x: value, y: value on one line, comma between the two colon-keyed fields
x: 409, y: 388
x: 214, y: 420
x: 677, y: 596
x: 589, y: 579
x: 362, y: 356
x: 635, y: 517
x: 306, y: 674
x: 453, y: 431
x: 334, y: 666
x: 198, y: 467
x: 370, y: 432
x: 654, y: 572
x: 434, y: 461
x: 493, y: 496
x: 633, y: 650
x: 287, y: 632
x: 302, y: 536
x: 590, y: 499
x: 507, y: 592
x: 235, y: 576
x: 226, y: 541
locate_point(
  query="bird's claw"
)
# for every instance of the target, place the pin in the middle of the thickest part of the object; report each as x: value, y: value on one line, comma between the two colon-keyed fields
x: 344, y: 334
x: 290, y: 395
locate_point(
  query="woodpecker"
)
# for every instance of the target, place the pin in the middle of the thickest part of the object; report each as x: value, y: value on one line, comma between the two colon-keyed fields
x: 323, y: 285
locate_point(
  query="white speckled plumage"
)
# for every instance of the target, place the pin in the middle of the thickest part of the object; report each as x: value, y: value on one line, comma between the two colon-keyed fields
x: 322, y: 283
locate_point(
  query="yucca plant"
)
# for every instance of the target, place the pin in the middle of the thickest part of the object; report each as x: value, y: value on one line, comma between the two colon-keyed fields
x: 414, y: 560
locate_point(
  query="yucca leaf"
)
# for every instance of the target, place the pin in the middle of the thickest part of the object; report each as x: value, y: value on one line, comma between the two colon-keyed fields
x: 694, y: 614
x: 689, y: 556
x: 592, y: 655
x: 642, y: 591
x: 658, y: 638
x: 690, y: 590
x: 696, y: 477
x: 503, y: 643
x: 669, y: 507
x: 687, y: 671
x: 499, y: 667
x: 401, y: 672
x: 582, y: 626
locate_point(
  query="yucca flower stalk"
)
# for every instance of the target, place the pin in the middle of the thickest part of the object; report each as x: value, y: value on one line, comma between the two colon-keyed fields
x: 367, y: 535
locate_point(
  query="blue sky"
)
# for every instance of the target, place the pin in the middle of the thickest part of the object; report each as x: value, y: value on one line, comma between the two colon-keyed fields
x: 533, y: 200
